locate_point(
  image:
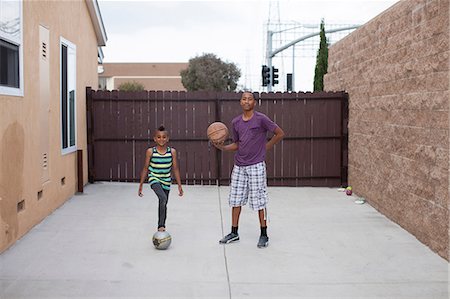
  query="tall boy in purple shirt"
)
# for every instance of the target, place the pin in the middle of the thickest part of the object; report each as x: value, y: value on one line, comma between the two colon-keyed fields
x: 248, y: 178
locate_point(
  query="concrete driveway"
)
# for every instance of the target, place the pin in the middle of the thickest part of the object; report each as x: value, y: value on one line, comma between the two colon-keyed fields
x: 322, y: 245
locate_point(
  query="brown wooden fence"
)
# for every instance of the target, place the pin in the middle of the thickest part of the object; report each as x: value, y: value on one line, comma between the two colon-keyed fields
x: 121, y: 126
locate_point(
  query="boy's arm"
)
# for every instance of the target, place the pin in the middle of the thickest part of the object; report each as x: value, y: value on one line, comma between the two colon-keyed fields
x: 176, y: 171
x: 278, y: 135
x: 144, y: 172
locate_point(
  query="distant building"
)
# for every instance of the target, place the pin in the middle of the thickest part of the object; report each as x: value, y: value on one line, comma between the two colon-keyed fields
x: 154, y: 76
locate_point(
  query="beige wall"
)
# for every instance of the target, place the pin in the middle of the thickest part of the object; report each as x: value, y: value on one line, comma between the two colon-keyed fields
x: 20, y: 121
x: 154, y: 76
x: 396, y: 71
x: 168, y: 84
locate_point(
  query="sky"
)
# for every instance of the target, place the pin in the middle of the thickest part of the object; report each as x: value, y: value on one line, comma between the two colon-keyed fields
x: 235, y: 31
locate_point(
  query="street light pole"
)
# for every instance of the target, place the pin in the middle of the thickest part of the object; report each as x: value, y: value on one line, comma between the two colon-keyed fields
x: 269, y: 58
x: 270, y: 54
x: 293, y: 69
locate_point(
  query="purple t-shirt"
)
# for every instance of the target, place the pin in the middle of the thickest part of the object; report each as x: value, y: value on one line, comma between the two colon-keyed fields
x: 251, y: 137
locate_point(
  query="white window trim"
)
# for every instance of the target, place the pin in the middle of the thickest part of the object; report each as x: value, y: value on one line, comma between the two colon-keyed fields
x: 70, y: 149
x: 12, y: 91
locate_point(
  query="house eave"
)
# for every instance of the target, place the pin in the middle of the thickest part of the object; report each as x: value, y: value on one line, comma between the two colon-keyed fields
x: 96, y: 17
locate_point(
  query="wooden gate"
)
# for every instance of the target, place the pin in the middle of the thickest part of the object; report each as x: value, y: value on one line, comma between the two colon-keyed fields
x: 121, y: 126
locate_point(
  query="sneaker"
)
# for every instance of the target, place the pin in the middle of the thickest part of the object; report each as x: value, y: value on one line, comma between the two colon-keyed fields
x: 263, y: 241
x: 231, y: 237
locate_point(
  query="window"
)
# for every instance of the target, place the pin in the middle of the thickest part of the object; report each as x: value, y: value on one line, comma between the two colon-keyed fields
x: 101, y: 83
x: 68, y: 96
x: 11, y: 74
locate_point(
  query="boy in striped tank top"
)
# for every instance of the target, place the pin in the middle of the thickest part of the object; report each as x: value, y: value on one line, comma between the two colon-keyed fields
x: 160, y: 161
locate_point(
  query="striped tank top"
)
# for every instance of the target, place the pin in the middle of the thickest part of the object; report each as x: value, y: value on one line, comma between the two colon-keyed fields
x: 160, y: 167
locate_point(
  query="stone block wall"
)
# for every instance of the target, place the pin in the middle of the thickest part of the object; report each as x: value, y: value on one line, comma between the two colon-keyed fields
x: 395, y: 69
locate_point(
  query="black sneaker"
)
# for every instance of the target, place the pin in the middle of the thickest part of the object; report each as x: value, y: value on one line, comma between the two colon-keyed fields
x: 263, y: 241
x: 231, y: 237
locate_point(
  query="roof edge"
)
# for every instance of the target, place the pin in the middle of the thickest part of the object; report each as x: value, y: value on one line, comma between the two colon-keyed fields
x: 97, y: 21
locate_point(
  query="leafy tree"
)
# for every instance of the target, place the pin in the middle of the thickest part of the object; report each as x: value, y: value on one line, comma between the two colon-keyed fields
x: 322, y: 60
x: 131, y: 86
x: 208, y: 72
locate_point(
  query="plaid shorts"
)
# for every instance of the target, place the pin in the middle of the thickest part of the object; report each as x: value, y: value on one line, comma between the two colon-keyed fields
x: 249, y: 184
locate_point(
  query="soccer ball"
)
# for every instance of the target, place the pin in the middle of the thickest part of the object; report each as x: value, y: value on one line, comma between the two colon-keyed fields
x: 162, y: 240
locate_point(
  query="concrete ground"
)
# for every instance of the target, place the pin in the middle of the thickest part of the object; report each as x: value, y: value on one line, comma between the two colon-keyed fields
x: 322, y: 245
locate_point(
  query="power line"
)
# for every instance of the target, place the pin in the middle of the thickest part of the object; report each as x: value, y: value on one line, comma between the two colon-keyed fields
x: 302, y: 39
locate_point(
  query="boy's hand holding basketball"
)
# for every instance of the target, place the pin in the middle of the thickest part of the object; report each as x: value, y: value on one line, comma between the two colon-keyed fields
x: 218, y: 144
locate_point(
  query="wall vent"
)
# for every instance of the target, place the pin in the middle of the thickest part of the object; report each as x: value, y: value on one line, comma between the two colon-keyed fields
x: 44, y: 50
x: 21, y: 205
x: 45, y: 161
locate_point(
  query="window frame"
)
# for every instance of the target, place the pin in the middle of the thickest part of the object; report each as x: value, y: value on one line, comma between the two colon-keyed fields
x: 70, y: 46
x: 7, y: 90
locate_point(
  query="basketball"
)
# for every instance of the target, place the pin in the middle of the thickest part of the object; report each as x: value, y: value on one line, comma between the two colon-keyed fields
x: 217, y: 132
x: 162, y: 240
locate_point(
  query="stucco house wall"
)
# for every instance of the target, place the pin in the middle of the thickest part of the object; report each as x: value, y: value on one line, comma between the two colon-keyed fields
x: 26, y: 124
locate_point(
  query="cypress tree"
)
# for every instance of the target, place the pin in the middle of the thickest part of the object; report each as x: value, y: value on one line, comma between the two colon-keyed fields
x: 322, y: 59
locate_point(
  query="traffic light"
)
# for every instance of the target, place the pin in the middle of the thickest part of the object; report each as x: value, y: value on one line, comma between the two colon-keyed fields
x: 265, y: 73
x: 274, y: 76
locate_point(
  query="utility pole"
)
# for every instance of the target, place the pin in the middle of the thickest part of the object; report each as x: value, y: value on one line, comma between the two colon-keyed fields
x: 269, y: 61
x: 271, y: 53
